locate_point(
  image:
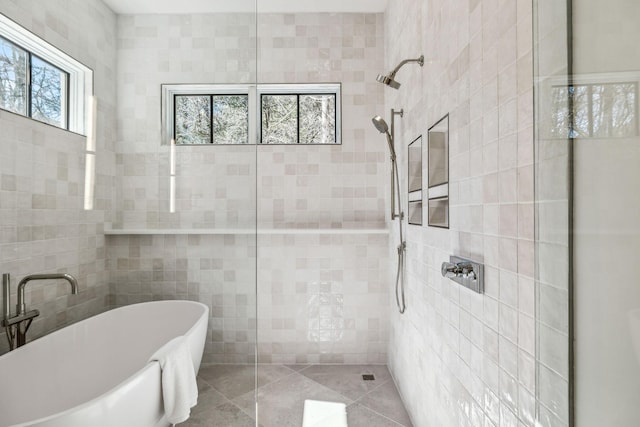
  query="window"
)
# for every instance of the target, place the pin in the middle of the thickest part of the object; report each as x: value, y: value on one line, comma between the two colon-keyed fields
x: 230, y: 114
x: 39, y: 81
x: 13, y: 77
x: 298, y: 118
x: 211, y: 119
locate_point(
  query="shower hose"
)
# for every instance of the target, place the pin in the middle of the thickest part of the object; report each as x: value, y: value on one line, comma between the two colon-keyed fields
x: 402, y: 247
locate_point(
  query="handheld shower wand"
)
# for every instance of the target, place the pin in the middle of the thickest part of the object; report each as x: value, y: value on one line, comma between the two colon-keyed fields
x: 382, y: 127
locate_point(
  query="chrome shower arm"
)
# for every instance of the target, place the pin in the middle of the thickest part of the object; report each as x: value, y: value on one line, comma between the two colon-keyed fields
x: 419, y: 60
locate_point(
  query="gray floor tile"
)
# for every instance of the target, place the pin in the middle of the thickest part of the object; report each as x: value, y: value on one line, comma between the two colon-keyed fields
x: 283, y: 390
x: 347, y: 379
x: 297, y: 367
x: 207, y: 400
x: 230, y: 380
x: 225, y: 415
x: 270, y: 373
x: 385, y: 400
x: 359, y: 416
x: 281, y: 403
x: 202, y: 385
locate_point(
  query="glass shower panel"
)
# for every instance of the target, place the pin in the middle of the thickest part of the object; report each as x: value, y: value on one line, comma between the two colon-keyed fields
x: 587, y: 210
x: 553, y: 117
x: 323, y: 278
x: 192, y: 207
x: 606, y: 225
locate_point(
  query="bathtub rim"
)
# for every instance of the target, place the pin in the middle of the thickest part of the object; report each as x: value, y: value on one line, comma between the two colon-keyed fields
x: 129, y: 379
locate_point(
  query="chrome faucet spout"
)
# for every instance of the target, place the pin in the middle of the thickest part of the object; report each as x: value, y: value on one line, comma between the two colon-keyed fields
x: 21, y: 307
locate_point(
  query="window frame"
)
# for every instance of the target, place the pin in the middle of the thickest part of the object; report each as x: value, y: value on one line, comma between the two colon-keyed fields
x: 254, y: 92
x: 79, y: 87
x: 302, y: 89
x: 65, y: 104
x: 174, y: 136
x: 170, y: 91
x: 211, y: 129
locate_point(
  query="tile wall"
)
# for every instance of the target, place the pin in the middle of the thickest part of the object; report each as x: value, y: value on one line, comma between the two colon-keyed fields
x: 215, y: 185
x: 322, y: 298
x: 296, y: 187
x: 43, y: 224
x: 461, y: 358
x: 211, y: 269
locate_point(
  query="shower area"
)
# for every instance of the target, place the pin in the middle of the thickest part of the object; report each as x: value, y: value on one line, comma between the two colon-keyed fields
x: 234, y: 162
x: 277, y: 221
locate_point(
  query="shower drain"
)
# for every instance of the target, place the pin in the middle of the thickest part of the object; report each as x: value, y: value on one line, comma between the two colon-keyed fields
x: 368, y: 377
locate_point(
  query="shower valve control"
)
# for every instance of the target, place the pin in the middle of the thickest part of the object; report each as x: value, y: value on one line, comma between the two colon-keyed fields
x: 469, y: 274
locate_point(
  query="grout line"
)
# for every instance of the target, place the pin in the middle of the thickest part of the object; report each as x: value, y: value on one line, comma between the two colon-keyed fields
x: 376, y: 387
x: 251, y: 415
x: 305, y: 368
x: 375, y: 412
x: 277, y: 379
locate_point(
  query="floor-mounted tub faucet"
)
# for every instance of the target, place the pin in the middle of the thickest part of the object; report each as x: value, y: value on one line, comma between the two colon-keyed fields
x: 21, y: 307
x: 18, y: 325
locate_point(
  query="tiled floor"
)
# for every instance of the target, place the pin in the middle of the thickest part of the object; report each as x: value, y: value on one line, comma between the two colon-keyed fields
x: 227, y: 395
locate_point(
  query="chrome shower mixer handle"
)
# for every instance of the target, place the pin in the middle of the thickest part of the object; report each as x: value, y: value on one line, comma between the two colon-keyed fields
x: 461, y: 269
x: 469, y: 274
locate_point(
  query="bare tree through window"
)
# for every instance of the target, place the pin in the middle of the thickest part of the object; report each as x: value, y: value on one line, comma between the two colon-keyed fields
x: 193, y: 119
x: 317, y: 119
x: 48, y: 93
x: 299, y: 119
x: 248, y: 114
x: 13, y: 77
x: 279, y: 119
x: 45, y: 99
x: 230, y: 119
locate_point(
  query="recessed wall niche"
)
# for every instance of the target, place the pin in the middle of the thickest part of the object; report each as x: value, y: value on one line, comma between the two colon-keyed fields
x: 438, y: 174
x: 415, y: 181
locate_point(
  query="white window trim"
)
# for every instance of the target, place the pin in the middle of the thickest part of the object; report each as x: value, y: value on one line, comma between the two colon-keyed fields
x: 80, y: 77
x: 254, y: 92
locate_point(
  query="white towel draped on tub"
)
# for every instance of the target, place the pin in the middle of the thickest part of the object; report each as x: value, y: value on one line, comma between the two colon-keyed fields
x: 179, y: 388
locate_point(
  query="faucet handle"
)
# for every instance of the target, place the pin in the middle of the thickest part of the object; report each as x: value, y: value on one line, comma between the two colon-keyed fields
x: 460, y: 269
x: 449, y: 269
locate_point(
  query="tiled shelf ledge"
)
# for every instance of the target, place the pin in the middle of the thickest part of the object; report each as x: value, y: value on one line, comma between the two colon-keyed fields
x: 239, y: 231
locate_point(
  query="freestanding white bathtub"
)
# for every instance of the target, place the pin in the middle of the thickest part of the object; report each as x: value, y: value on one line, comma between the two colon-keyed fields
x: 96, y: 372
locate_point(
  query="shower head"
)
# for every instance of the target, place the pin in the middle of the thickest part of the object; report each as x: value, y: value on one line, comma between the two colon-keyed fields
x: 389, y: 79
x: 382, y: 127
x: 380, y: 124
